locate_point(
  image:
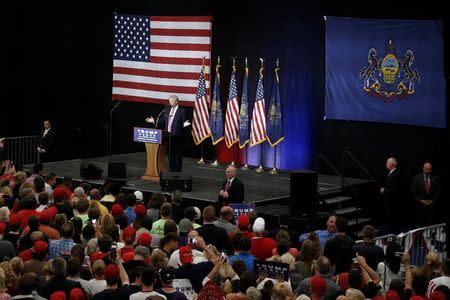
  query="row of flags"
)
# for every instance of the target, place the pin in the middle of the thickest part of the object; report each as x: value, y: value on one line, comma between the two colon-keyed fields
x: 238, y: 127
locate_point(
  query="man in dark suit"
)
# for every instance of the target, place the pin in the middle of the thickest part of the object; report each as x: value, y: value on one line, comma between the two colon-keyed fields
x: 173, y: 121
x: 232, y: 188
x: 47, y: 143
x: 425, y: 189
x: 392, y: 196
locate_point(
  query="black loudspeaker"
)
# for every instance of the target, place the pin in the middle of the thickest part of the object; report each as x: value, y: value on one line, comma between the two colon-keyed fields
x: 176, y: 181
x: 117, y: 170
x: 90, y: 171
x: 304, y: 195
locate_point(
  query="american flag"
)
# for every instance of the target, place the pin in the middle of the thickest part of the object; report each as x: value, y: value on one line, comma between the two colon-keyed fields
x: 258, y: 123
x: 200, y: 121
x: 156, y: 57
x: 232, y: 114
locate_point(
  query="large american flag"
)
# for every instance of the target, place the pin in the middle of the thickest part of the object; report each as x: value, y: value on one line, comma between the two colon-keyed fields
x: 156, y: 57
x: 232, y: 114
x: 258, y: 123
x: 200, y: 121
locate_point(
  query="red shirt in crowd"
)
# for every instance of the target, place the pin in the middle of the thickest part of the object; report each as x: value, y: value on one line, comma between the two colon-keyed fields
x: 262, y: 247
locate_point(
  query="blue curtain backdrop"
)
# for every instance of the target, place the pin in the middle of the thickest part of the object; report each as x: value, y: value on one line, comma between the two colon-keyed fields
x: 385, y: 71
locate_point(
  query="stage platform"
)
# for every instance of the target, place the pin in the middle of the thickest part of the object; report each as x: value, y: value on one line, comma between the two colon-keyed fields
x: 260, y: 188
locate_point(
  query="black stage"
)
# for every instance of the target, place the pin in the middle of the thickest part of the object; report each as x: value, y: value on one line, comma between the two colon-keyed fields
x: 260, y: 188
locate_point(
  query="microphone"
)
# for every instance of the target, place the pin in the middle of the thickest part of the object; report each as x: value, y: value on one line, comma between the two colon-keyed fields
x: 161, y: 112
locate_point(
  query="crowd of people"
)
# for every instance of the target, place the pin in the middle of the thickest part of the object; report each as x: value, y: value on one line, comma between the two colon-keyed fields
x: 60, y: 242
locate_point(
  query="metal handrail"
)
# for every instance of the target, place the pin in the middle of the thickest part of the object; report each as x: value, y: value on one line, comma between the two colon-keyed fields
x: 22, y: 149
x: 354, y: 159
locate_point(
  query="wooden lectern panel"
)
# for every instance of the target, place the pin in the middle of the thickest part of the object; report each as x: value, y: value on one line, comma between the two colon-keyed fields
x: 156, y: 161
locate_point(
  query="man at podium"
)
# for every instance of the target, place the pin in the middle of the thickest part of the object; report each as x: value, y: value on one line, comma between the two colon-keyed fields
x: 173, y: 121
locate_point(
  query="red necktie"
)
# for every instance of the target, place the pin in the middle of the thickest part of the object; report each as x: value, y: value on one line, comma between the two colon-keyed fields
x: 228, y: 185
x: 427, y: 183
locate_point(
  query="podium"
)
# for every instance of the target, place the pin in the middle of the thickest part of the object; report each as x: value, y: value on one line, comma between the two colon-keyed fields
x: 156, y: 151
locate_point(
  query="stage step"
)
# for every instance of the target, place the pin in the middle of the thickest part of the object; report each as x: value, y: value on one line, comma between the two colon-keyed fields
x: 337, y: 200
x: 359, y: 221
x: 346, y: 210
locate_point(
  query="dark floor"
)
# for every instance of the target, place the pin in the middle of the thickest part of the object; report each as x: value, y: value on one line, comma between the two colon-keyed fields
x: 206, y: 180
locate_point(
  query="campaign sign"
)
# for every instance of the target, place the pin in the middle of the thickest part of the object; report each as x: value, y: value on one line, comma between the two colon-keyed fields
x: 184, y: 286
x: 147, y: 135
x: 271, y: 268
x: 242, y: 209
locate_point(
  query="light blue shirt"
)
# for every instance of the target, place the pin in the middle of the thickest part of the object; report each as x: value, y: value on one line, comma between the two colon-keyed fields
x: 324, y: 236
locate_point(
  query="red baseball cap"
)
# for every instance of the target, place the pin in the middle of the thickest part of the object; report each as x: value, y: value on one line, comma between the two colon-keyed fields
x: 129, y: 234
x: 77, y: 294
x: 58, y: 296
x: 116, y: 210
x: 185, y: 253
x: 392, y: 295
x: 244, y: 222
x: 140, y: 210
x: 61, y: 193
x: 96, y: 256
x: 40, y: 247
x: 112, y: 272
x: 145, y: 239
x: 2, y: 227
x: 127, y: 256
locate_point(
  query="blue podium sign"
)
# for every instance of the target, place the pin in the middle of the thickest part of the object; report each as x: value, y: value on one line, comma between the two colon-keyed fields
x: 242, y: 209
x: 147, y: 135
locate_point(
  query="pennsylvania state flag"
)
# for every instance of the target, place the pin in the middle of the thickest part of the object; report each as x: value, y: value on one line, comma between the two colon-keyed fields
x: 388, y: 71
x: 244, y: 132
x: 216, y: 119
x: 274, y: 122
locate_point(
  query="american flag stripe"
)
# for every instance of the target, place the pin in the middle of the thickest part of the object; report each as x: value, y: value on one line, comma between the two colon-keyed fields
x: 157, y: 74
x: 200, y: 121
x: 232, y: 114
x: 258, y: 123
x: 194, y: 47
x: 155, y: 57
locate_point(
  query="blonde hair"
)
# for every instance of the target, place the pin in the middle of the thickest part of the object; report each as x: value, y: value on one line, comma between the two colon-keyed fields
x: 20, y: 177
x: 226, y: 272
x: 105, y: 222
x: 253, y: 293
x: 91, y: 246
x: 281, y: 291
x: 213, y: 250
x: 11, y: 277
x: 159, y: 259
x: 17, y: 265
x: 2, y: 281
x: 6, y: 190
x: 354, y: 294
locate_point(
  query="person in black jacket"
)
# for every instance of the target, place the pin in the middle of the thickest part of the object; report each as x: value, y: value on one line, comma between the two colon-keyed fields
x: 392, y: 196
x: 232, y: 190
x: 425, y: 190
x: 173, y: 121
x: 46, y: 147
x: 58, y: 281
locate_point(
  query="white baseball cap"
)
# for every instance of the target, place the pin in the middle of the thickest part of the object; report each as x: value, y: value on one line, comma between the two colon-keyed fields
x: 139, y: 195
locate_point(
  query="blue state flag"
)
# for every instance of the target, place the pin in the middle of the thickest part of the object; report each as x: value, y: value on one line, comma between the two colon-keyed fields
x: 274, y: 127
x: 244, y: 132
x: 216, y: 118
x: 388, y: 71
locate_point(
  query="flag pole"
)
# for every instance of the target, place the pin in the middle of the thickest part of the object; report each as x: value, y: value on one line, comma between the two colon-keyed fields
x: 215, y: 164
x: 260, y: 169
x: 202, y: 161
x: 245, y: 167
x: 274, y: 170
